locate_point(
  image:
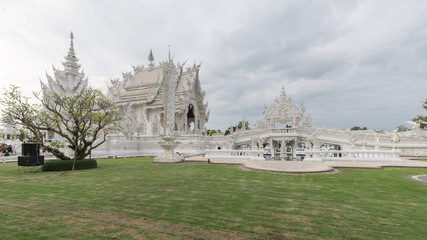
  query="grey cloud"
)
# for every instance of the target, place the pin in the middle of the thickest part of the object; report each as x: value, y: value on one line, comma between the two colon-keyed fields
x: 351, y: 62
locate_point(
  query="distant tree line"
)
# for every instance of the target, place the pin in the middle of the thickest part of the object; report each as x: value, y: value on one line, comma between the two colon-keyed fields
x: 229, y: 130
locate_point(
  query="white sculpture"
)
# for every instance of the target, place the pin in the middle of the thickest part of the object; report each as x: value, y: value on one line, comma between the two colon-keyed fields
x: 307, y: 122
x: 395, y: 138
x: 314, y: 139
x: 127, y: 124
x: 377, y: 141
x: 283, y: 150
x: 415, y: 126
x: 261, y: 142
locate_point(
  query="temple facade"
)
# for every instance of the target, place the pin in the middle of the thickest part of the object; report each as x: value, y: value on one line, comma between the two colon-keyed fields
x: 141, y: 95
x: 166, y: 99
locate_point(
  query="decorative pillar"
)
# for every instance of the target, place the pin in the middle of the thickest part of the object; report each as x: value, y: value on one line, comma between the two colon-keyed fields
x: 168, y: 141
x: 294, y: 150
x: 283, y: 150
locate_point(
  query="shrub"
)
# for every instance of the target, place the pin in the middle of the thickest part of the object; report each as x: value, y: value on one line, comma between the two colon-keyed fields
x: 66, y: 165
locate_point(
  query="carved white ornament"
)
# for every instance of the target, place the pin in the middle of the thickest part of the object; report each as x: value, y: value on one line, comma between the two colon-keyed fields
x: 283, y: 111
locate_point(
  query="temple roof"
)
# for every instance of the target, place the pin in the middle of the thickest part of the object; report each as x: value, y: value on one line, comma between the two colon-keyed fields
x: 283, y: 110
x: 144, y: 84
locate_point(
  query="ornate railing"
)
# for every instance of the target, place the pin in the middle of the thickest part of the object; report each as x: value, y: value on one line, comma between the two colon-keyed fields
x: 361, y: 155
x: 121, y: 137
x: 283, y: 130
x: 236, y: 154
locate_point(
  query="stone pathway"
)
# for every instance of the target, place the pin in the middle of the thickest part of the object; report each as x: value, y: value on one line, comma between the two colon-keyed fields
x: 295, y: 167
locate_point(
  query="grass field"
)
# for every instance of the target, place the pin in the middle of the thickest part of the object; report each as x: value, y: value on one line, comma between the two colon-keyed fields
x: 137, y: 199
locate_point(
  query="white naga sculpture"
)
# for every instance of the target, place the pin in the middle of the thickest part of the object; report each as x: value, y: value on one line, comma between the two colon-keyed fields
x: 395, y: 138
x: 415, y: 126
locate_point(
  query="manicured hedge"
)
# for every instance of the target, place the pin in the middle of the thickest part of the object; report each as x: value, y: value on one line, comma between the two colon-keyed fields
x: 66, y: 165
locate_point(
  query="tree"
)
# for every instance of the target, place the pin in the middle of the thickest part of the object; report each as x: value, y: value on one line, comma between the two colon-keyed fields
x: 211, y: 132
x: 402, y: 128
x: 239, y: 126
x: 235, y: 128
x: 82, y: 121
x: 422, y: 120
x: 358, y: 128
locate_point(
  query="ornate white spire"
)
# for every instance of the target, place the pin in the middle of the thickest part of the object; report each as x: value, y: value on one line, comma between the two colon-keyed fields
x: 169, y: 52
x: 71, y: 66
x: 150, y: 57
x: 70, y: 80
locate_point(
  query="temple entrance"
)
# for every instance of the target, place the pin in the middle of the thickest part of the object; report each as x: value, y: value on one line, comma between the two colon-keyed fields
x: 190, y: 118
x: 285, y: 149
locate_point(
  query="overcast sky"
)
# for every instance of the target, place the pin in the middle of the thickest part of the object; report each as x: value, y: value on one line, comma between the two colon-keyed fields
x: 351, y: 62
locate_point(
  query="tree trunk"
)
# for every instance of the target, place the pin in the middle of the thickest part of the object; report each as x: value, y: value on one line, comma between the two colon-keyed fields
x: 75, y: 154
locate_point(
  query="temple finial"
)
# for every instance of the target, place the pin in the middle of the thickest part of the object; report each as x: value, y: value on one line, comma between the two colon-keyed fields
x: 71, y: 64
x: 150, y: 56
x: 71, y: 49
x: 169, y: 52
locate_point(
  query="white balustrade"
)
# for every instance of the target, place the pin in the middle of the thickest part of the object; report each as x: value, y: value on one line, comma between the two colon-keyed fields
x: 283, y: 130
x: 352, y: 155
x: 237, y: 154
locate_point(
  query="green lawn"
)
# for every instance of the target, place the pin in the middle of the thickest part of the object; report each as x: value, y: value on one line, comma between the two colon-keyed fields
x: 137, y: 199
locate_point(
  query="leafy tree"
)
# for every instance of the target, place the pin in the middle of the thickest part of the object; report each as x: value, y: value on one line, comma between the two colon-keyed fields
x: 358, y: 128
x: 240, y: 125
x: 21, y: 136
x: 235, y: 128
x: 208, y: 132
x: 82, y: 121
x: 402, y: 128
x: 213, y: 131
x: 422, y: 119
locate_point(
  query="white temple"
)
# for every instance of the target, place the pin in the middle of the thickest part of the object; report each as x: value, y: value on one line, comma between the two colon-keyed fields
x: 141, y: 96
x: 166, y: 99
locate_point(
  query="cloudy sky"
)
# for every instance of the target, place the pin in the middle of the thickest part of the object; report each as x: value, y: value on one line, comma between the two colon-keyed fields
x: 351, y: 62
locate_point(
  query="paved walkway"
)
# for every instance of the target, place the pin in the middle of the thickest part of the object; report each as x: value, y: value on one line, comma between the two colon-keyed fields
x: 296, y: 167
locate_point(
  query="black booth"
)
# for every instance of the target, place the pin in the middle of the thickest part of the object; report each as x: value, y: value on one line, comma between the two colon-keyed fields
x: 30, y: 155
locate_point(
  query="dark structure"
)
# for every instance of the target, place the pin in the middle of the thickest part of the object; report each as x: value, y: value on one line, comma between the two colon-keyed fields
x: 30, y: 155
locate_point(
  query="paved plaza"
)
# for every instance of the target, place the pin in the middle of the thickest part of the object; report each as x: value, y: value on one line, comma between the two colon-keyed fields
x: 296, y: 167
